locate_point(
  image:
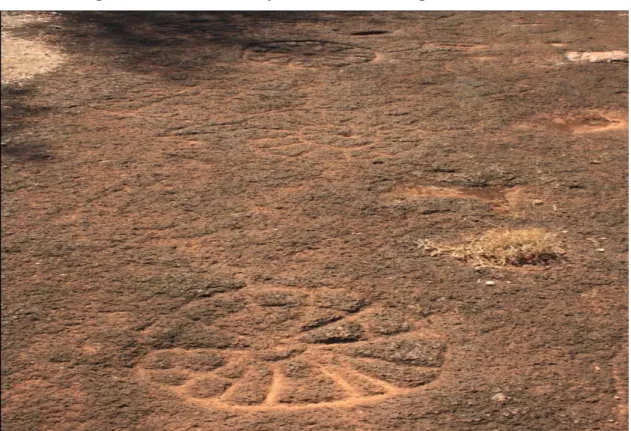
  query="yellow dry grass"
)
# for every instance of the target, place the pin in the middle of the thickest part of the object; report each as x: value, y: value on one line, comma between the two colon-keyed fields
x: 501, y: 247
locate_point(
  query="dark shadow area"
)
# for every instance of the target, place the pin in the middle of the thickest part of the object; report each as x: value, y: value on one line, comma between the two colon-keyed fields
x: 175, y: 46
x: 369, y: 33
x: 16, y: 115
x: 26, y: 152
x: 169, y: 43
x: 181, y: 46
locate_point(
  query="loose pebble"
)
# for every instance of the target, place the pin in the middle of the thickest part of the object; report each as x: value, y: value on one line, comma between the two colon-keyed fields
x: 490, y: 283
x: 537, y: 202
x: 600, y: 249
x: 500, y: 398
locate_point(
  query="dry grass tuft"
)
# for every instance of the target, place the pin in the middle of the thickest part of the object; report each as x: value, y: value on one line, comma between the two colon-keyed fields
x: 501, y: 247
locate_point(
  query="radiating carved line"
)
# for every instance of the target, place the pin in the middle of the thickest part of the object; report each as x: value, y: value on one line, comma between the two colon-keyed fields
x: 275, y: 387
x: 340, y: 381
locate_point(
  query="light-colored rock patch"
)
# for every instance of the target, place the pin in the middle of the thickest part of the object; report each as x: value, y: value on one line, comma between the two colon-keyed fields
x: 597, y: 57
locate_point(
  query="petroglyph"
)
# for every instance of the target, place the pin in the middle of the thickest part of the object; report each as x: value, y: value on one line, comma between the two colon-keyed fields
x: 308, y: 53
x: 291, y: 348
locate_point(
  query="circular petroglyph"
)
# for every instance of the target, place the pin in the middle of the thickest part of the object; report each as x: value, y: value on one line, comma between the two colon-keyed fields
x: 591, y: 121
x: 341, y: 141
x: 308, y: 53
x: 582, y: 122
x: 287, y: 348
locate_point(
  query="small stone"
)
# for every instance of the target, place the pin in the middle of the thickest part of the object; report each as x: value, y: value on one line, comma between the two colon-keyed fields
x: 500, y: 398
x: 489, y: 283
x: 602, y: 250
x: 537, y: 202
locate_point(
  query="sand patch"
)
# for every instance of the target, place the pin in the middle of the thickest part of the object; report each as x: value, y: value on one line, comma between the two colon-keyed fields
x: 23, y: 59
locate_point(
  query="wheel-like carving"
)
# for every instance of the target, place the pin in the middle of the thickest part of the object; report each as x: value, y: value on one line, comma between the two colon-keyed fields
x: 286, y: 348
x: 308, y: 53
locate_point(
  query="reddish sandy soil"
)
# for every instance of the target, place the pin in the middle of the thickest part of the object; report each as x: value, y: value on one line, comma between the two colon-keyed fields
x: 210, y: 223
